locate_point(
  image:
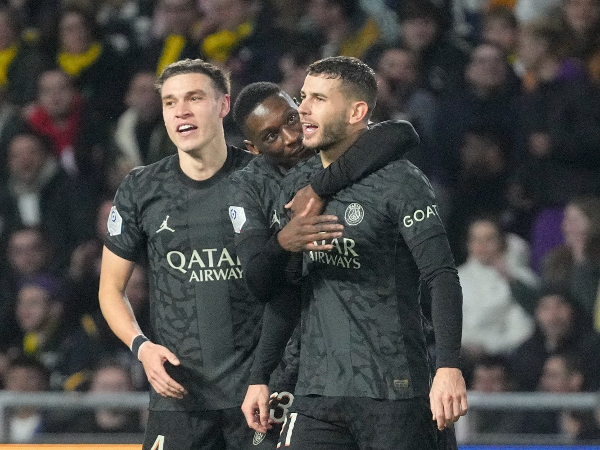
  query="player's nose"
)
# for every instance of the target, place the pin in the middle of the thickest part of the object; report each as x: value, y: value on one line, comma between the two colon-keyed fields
x: 291, y: 137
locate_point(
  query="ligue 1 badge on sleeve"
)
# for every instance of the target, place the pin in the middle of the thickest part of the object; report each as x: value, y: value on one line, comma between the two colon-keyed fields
x: 238, y: 218
x: 115, y: 222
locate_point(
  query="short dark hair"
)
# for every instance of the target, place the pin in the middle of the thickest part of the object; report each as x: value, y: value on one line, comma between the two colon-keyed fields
x: 249, y: 98
x: 354, y: 74
x: 219, y: 77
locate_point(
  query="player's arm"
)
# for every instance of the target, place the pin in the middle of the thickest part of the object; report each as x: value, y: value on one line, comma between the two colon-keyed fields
x: 279, y: 321
x: 265, y: 253
x: 379, y: 145
x: 436, y: 265
x: 114, y: 275
x: 413, y: 201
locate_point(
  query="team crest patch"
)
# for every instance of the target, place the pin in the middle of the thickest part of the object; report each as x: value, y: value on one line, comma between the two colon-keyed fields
x: 258, y: 437
x: 354, y: 214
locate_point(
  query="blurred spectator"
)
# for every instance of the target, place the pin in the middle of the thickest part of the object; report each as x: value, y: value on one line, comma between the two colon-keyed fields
x: 560, y: 116
x: 41, y: 194
x: 125, y: 24
x: 140, y: 136
x: 493, y: 321
x: 26, y: 375
x: 109, y: 377
x: 98, y: 70
x: 441, y: 59
x: 345, y: 27
x: 531, y: 10
x: 27, y: 255
x: 400, y: 97
x: 36, y: 16
x: 10, y: 124
x: 77, y: 132
x: 490, y: 374
x: 562, y: 373
x: 234, y: 22
x: 174, y: 37
x: 488, y: 102
x: 298, y: 54
x: 581, y: 32
x: 559, y: 329
x: 500, y: 27
x: 576, y: 263
x: 20, y: 62
x: 67, y: 350
x: 254, y: 48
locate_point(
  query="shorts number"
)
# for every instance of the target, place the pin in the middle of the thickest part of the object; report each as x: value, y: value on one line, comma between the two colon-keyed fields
x: 159, y: 443
x: 279, y: 403
x: 290, y: 430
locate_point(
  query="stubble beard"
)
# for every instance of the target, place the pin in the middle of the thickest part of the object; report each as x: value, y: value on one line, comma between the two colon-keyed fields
x: 332, y: 134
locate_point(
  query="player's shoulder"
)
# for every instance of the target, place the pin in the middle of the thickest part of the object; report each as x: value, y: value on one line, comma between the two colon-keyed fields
x: 401, y: 170
x: 303, y: 170
x: 399, y: 179
x: 238, y: 157
x: 257, y: 167
x: 149, y: 174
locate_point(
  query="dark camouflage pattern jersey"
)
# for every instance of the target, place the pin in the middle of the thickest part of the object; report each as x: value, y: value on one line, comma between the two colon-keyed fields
x: 200, y: 307
x: 362, y: 334
x: 260, y: 189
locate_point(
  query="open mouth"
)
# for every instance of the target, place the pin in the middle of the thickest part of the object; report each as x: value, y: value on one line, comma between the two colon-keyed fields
x: 186, y: 128
x: 309, y: 128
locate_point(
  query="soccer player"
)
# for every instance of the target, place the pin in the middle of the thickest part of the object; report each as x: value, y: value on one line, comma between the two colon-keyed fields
x: 270, y: 122
x: 205, y: 324
x: 363, y: 372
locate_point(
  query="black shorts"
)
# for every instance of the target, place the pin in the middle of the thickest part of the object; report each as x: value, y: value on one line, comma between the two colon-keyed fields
x: 204, y: 430
x: 348, y: 423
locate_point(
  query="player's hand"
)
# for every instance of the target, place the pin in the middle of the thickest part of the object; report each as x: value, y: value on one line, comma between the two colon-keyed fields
x: 303, y: 232
x: 448, y: 396
x: 153, y: 357
x: 256, y: 407
x: 301, y: 199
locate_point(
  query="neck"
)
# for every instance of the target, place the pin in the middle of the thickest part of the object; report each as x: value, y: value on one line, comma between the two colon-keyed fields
x: 203, y: 163
x: 330, y: 154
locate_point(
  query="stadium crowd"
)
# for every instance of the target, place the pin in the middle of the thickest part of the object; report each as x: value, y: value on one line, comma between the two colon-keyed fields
x: 505, y: 95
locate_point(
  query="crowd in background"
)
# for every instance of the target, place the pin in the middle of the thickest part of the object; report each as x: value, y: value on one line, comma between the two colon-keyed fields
x: 505, y: 95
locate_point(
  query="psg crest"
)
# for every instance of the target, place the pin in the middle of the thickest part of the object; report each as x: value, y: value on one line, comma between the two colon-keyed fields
x: 354, y: 214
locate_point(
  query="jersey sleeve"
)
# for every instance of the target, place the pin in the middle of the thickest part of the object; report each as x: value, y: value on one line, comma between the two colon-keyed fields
x: 125, y: 237
x: 245, y: 207
x: 375, y: 148
x: 414, y: 207
x: 263, y: 259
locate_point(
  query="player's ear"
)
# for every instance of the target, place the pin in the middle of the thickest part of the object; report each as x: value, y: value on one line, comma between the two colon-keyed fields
x: 225, y: 105
x: 359, y: 112
x: 251, y: 147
